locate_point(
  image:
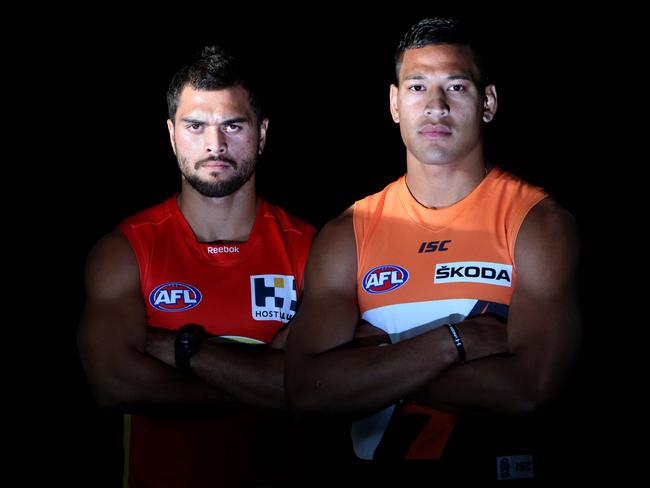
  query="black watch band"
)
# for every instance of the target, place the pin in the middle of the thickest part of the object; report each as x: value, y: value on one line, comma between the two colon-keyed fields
x: 189, y: 339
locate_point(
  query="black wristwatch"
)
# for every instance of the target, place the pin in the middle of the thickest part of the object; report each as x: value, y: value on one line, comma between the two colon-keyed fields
x: 189, y: 339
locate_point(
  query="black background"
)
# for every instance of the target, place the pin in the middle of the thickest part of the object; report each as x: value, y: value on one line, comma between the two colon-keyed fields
x: 331, y: 141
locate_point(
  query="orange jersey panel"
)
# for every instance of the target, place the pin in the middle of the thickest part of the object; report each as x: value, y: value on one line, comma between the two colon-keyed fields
x: 419, y: 268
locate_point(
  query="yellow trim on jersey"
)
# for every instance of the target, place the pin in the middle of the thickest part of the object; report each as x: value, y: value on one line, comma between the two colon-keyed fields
x: 126, y: 441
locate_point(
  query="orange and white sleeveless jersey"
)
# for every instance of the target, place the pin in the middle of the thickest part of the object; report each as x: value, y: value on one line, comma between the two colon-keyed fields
x: 420, y: 268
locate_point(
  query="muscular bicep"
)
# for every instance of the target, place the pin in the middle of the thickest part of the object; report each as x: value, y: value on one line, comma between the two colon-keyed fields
x: 329, y: 311
x: 113, y: 324
x: 544, y: 320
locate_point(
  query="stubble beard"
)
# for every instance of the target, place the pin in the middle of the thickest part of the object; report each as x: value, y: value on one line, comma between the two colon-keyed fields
x: 216, y: 187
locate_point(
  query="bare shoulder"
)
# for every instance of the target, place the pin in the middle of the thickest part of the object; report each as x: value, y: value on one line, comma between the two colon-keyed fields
x: 340, y: 227
x: 332, y: 266
x: 111, y: 266
x: 548, y: 221
x: 548, y: 244
x: 336, y: 240
x: 329, y: 312
x: 550, y: 214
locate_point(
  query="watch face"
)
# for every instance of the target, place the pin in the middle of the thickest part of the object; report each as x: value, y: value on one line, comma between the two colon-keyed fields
x: 187, y: 343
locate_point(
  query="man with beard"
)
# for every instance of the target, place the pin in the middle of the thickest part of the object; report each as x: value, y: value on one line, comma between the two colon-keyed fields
x: 183, y: 328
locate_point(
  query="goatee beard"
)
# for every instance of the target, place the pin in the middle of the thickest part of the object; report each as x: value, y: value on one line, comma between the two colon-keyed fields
x: 222, y: 188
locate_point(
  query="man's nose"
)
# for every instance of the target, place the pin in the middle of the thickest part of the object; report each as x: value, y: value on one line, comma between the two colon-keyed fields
x: 437, y: 106
x: 216, y: 141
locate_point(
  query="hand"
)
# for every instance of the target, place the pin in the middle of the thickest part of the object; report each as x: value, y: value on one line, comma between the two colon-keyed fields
x: 482, y: 336
x: 160, y: 344
x: 279, y: 341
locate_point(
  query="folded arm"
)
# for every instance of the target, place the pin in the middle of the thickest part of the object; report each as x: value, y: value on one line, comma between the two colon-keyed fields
x: 543, y: 327
x: 112, y: 337
x: 252, y: 373
x: 322, y: 376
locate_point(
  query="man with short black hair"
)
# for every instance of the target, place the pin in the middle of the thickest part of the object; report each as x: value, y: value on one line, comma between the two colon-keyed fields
x: 187, y: 302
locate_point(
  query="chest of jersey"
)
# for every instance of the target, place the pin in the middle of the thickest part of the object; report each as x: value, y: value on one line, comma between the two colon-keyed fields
x: 420, y: 266
x: 405, y: 263
x: 243, y: 290
x: 250, y: 299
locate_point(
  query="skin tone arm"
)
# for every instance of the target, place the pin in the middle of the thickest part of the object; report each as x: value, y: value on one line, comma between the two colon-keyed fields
x: 112, y: 337
x: 321, y: 376
x: 543, y: 327
x: 254, y: 374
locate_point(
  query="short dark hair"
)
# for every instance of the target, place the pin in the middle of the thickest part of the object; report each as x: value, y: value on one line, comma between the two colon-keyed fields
x: 441, y: 31
x: 215, y: 69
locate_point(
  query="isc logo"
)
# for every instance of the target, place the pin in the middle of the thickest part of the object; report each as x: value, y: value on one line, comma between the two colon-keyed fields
x: 174, y: 297
x: 433, y: 246
x: 382, y: 279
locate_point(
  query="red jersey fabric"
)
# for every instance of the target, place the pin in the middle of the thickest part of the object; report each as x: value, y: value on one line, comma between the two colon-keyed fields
x: 246, y: 291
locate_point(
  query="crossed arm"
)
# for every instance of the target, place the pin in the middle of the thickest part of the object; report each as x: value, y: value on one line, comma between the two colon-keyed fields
x: 544, y: 327
x: 113, y: 338
x: 543, y: 334
x: 321, y: 376
x: 543, y: 337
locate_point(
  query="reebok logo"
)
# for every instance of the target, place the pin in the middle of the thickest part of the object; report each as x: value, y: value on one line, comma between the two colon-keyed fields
x: 222, y: 249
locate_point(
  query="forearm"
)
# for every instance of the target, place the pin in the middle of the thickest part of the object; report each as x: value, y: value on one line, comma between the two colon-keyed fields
x: 351, y: 380
x: 489, y: 386
x: 253, y: 375
x: 149, y: 386
x: 520, y: 382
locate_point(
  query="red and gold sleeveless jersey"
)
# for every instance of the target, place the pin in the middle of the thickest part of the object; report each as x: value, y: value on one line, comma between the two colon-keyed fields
x: 246, y: 291
x: 420, y: 268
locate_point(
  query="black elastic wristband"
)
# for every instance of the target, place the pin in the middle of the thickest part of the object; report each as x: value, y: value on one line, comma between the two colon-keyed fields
x: 457, y: 342
x: 189, y: 339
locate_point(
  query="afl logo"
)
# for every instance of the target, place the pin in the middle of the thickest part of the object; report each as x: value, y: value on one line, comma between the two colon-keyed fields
x: 385, y: 278
x: 174, y: 297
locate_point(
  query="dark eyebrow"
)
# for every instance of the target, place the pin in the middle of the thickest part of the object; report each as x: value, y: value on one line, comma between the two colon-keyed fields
x: 418, y: 76
x: 234, y: 120
x: 190, y: 120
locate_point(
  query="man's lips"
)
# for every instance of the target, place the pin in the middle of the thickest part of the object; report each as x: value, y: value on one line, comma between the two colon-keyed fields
x: 216, y: 164
x: 211, y: 163
x: 435, y: 130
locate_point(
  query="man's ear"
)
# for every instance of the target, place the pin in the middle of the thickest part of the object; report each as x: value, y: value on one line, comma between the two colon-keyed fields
x: 263, y: 128
x: 170, y: 128
x: 489, y: 103
x: 394, y: 110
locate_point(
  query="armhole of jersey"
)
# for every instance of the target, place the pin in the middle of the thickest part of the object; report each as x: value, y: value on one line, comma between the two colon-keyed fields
x: 126, y: 445
x: 518, y: 220
x: 359, y: 234
x: 139, y: 250
x: 301, y: 263
x: 366, y: 216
